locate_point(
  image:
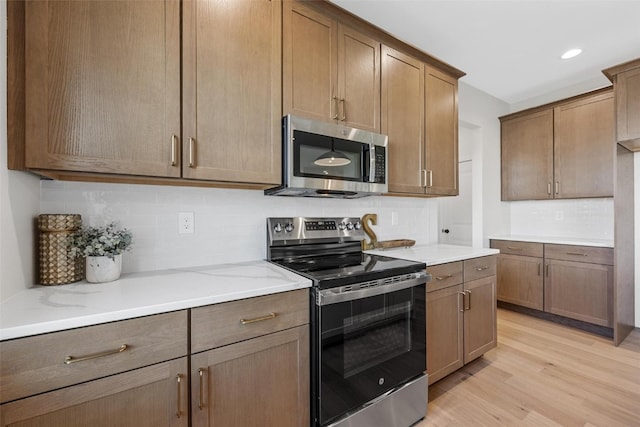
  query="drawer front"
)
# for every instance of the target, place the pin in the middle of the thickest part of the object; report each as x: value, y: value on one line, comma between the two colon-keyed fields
x: 477, y: 268
x: 513, y: 247
x: 45, y: 362
x: 588, y: 254
x: 444, y: 275
x: 221, y: 324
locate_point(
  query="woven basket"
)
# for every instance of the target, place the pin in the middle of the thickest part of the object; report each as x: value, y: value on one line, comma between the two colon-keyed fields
x: 56, y: 266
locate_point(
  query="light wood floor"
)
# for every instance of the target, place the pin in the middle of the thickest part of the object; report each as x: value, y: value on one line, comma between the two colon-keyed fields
x: 542, y: 374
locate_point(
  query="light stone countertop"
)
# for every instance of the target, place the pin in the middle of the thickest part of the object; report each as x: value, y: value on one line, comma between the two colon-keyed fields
x: 557, y: 240
x: 436, y: 254
x: 44, y: 309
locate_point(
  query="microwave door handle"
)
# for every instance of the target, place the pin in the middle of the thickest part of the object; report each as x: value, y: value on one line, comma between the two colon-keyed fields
x: 372, y: 163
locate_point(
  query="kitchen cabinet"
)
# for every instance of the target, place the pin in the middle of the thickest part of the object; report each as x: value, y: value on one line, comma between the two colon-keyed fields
x: 626, y: 85
x: 103, y: 86
x: 259, y: 382
x: 441, y: 131
x: 561, y: 150
x: 579, y: 283
x: 571, y: 281
x: 152, y: 396
x: 520, y: 273
x: 232, y: 91
x: 251, y: 353
x: 125, y: 373
x: 583, y: 147
x: 403, y: 120
x: 106, y: 97
x: 461, y: 314
x: 340, y: 80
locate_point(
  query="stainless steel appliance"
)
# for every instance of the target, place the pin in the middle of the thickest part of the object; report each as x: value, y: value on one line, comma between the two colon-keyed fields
x: 331, y: 160
x: 368, y: 323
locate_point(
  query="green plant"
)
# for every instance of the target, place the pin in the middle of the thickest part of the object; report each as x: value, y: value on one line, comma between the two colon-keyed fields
x: 100, y: 241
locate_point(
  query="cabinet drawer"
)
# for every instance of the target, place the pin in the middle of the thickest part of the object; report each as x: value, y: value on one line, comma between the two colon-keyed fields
x: 444, y: 275
x: 477, y: 268
x: 45, y: 362
x: 589, y: 254
x: 221, y: 324
x: 513, y: 247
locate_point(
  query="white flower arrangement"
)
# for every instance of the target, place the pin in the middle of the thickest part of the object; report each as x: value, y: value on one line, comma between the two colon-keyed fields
x: 100, y: 241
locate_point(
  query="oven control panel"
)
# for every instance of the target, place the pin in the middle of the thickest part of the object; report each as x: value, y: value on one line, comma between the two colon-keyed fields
x: 310, y: 229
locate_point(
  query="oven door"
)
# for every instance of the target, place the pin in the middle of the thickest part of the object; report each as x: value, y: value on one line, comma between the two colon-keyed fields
x: 366, y: 344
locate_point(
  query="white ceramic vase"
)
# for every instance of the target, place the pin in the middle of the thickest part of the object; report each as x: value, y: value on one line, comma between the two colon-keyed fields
x: 102, y: 269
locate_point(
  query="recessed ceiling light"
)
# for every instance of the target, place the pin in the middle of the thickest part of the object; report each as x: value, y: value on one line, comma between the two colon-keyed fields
x: 571, y: 53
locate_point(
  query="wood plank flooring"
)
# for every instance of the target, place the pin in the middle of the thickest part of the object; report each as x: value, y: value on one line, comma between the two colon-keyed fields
x: 542, y: 374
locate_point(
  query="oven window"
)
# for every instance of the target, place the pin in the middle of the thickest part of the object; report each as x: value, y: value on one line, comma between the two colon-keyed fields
x: 369, y: 346
x: 308, y: 147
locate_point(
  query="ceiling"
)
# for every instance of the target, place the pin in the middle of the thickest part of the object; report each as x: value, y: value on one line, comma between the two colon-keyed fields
x: 511, y: 48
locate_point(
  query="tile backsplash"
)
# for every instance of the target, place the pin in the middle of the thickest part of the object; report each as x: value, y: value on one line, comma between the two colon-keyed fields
x: 578, y: 218
x: 229, y: 224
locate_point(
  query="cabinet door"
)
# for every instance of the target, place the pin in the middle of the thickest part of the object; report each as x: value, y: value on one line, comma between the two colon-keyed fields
x: 527, y: 156
x: 479, y: 317
x: 103, y: 86
x: 444, y: 332
x: 580, y: 291
x: 520, y: 281
x: 261, y: 382
x: 232, y: 90
x: 146, y: 397
x: 403, y: 120
x: 358, y: 79
x: 627, y: 88
x: 441, y: 99
x: 310, y: 63
x: 584, y: 143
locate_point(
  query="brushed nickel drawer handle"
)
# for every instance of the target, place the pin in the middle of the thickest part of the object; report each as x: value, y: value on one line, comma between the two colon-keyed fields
x: 576, y: 254
x: 468, y: 306
x: 514, y: 248
x: 179, y: 411
x: 174, y: 150
x: 70, y: 359
x: 336, y: 104
x: 448, y: 276
x: 259, y: 319
x: 201, y: 375
x: 192, y: 152
x: 461, y: 307
x: 486, y: 267
x: 430, y: 174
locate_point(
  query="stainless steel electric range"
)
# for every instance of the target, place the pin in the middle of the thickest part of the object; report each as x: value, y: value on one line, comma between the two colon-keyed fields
x: 368, y: 323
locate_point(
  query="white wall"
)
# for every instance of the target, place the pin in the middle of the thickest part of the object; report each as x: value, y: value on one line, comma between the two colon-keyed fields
x: 481, y: 111
x: 19, y: 200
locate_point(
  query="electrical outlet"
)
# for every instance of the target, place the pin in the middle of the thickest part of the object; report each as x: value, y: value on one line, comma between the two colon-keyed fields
x: 185, y: 223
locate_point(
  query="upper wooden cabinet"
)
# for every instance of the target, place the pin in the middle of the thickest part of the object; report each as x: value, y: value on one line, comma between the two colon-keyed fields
x: 441, y: 109
x: 232, y: 90
x: 527, y: 156
x: 331, y: 71
x: 103, y: 89
x: 420, y: 116
x: 561, y: 151
x: 626, y: 85
x: 102, y: 86
x: 403, y: 120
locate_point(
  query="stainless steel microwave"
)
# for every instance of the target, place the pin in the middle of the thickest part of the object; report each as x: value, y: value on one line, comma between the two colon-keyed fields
x: 331, y: 160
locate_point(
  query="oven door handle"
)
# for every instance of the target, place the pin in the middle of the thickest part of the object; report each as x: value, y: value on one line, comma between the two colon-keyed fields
x: 337, y: 295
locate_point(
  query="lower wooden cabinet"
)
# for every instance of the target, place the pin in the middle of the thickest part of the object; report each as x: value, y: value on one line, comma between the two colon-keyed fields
x: 152, y: 396
x: 580, y: 291
x: 566, y: 280
x: 259, y: 382
x: 461, y: 315
x: 520, y: 281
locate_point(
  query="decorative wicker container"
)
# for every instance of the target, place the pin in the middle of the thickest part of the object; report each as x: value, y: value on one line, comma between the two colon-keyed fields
x: 56, y: 266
